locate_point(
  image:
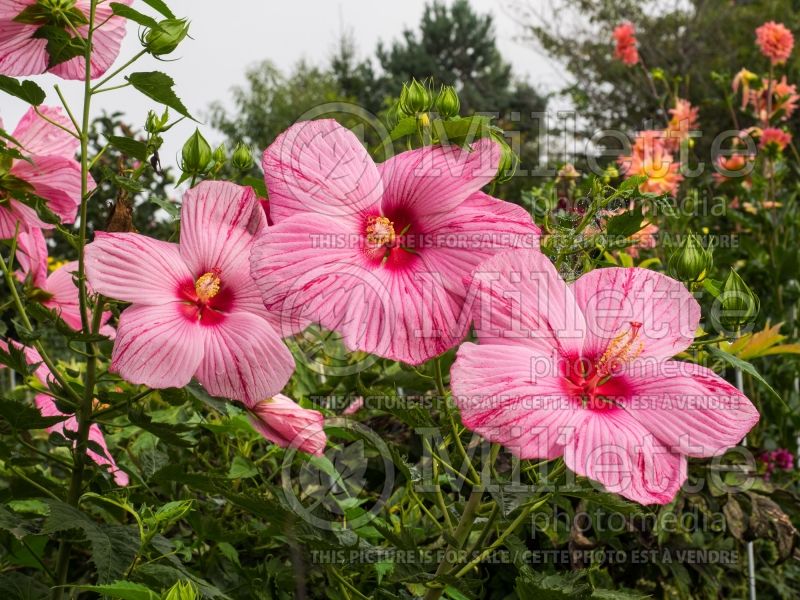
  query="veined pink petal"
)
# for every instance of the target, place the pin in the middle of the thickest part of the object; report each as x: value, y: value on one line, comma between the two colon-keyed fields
x: 57, y: 180
x: 306, y: 266
x: 615, y: 449
x: 612, y: 299
x: 287, y: 424
x: 244, y: 358
x: 40, y: 138
x: 106, y: 42
x: 14, y: 213
x: 157, y: 346
x: 434, y: 180
x: 64, y: 298
x: 218, y: 223
x: 47, y: 407
x: 20, y: 53
x: 135, y: 268
x: 514, y: 397
x: 320, y: 167
x: 689, y: 408
x: 32, y: 256
x: 519, y: 299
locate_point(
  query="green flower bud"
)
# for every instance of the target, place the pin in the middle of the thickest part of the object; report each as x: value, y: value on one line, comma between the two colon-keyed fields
x: 154, y: 123
x: 242, y: 158
x: 415, y: 98
x: 220, y: 156
x: 183, y: 590
x: 691, y: 262
x: 739, y: 305
x: 447, y: 103
x: 508, y: 160
x: 196, y: 154
x: 165, y: 38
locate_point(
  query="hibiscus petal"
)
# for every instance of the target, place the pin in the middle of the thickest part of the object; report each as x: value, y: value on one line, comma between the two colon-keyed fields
x: 612, y: 299
x: 513, y: 398
x: 434, y: 180
x: 689, y: 408
x: 320, y: 167
x: 106, y: 42
x: 64, y: 298
x: 57, y: 180
x: 20, y: 52
x: 244, y: 359
x: 135, y: 268
x: 18, y: 215
x: 157, y: 346
x: 218, y: 223
x: 41, y: 138
x: 32, y: 256
x: 614, y: 449
x: 520, y: 300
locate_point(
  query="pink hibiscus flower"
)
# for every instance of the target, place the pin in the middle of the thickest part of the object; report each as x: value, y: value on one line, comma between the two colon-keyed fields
x: 22, y: 53
x: 626, y: 50
x: 287, y: 424
x: 379, y: 253
x: 584, y: 371
x: 195, y: 309
x: 56, y: 291
x: 50, y: 172
x: 47, y: 407
x: 776, y: 41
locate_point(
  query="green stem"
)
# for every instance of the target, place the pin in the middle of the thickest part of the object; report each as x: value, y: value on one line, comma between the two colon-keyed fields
x: 114, y: 73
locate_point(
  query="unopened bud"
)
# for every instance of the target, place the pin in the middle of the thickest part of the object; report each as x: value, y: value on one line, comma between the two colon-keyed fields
x: 166, y: 37
x: 242, y: 158
x: 447, y: 103
x: 220, y: 155
x: 691, y: 262
x: 415, y: 98
x: 739, y: 305
x: 154, y: 123
x: 196, y: 154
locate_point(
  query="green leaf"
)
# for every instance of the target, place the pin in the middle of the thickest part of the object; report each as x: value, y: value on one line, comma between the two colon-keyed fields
x: 168, y: 206
x: 625, y: 225
x: 21, y: 417
x: 123, y: 10
x: 124, y: 590
x: 463, y: 131
x: 257, y: 183
x: 161, y: 7
x: 404, y: 127
x: 171, y: 434
x: 129, y: 146
x: 632, y: 183
x: 242, y: 468
x: 158, y: 86
x: 61, y: 46
x: 113, y: 547
x: 552, y: 587
x: 14, y: 524
x: 618, y: 595
x: 24, y: 90
x: 18, y: 586
x: 745, y: 366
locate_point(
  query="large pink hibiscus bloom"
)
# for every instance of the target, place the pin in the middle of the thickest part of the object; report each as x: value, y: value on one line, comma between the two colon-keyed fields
x: 195, y: 309
x: 379, y: 253
x: 586, y: 371
x: 50, y: 172
x: 47, y: 407
x: 22, y: 53
x: 56, y: 291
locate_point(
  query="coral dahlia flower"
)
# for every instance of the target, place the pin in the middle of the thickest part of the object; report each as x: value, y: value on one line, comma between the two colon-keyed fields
x: 683, y: 120
x: 47, y: 407
x: 651, y: 158
x: 379, y: 253
x: 24, y: 52
x: 585, y: 371
x: 195, y: 309
x: 285, y: 423
x: 56, y: 291
x: 50, y: 172
x: 625, y: 38
x: 776, y: 41
x: 774, y: 139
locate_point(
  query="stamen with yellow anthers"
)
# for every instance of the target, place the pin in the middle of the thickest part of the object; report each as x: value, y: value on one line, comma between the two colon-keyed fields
x: 380, y: 231
x: 207, y: 286
x: 624, y: 347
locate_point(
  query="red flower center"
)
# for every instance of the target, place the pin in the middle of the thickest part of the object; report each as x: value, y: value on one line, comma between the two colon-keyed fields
x: 205, y: 300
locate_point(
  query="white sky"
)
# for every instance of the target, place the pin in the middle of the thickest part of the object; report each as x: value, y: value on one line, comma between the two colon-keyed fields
x: 228, y: 36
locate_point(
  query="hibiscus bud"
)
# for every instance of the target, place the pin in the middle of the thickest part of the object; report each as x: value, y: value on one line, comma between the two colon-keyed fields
x: 447, y: 103
x: 154, y: 123
x: 196, y: 154
x: 164, y: 38
x: 415, y: 98
x: 691, y: 262
x: 508, y: 160
x: 219, y: 155
x: 183, y: 590
x: 395, y: 114
x: 242, y: 158
x: 283, y: 422
x: 739, y: 304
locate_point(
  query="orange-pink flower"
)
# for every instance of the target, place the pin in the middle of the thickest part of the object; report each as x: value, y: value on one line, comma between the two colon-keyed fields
x: 684, y: 118
x: 775, y: 41
x: 774, y: 138
x: 651, y: 158
x: 731, y: 167
x: 784, y: 100
x: 625, y: 38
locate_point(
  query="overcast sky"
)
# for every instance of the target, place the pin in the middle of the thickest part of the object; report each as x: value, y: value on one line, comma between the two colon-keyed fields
x: 228, y: 36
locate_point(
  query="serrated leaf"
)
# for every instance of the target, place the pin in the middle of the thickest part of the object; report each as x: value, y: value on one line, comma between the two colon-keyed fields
x: 124, y: 590
x: 459, y: 132
x: 123, y: 10
x: 746, y: 367
x: 404, y: 127
x: 61, y: 46
x: 158, y: 86
x: 161, y: 7
x: 625, y: 224
x: 129, y: 146
x: 18, y: 586
x: 552, y: 587
x: 169, y: 433
x: 26, y: 90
